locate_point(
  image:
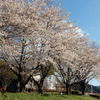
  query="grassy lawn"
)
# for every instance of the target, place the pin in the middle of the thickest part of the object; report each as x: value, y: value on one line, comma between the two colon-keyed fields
x: 33, y: 96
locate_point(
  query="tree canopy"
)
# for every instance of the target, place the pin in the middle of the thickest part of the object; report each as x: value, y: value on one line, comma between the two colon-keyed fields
x: 33, y: 33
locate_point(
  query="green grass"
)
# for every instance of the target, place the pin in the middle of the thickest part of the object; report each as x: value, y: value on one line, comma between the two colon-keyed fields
x: 46, y: 96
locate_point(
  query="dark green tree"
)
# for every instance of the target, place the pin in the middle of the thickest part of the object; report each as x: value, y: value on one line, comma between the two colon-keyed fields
x: 44, y: 70
x: 6, y: 75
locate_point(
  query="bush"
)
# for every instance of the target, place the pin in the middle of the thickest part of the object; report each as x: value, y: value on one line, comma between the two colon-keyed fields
x: 75, y: 92
x: 34, y: 90
x: 49, y: 90
x: 4, y: 91
x: 52, y: 91
x: 31, y: 90
x: 95, y: 95
x: 63, y: 91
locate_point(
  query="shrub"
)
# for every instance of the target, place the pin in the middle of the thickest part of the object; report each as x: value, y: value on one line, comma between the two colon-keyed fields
x: 47, y: 90
x: 64, y: 91
x: 72, y: 91
x: 95, y: 95
x: 75, y: 92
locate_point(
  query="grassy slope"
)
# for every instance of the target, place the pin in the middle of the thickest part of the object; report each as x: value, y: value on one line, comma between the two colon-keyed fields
x: 31, y: 96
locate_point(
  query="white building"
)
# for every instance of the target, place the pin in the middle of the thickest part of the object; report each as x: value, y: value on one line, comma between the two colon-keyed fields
x: 51, y: 81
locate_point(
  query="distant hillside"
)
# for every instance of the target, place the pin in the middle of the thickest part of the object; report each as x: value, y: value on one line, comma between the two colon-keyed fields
x: 98, y: 86
x: 88, y: 89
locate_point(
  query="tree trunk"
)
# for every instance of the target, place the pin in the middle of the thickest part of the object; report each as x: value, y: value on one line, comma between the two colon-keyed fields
x: 67, y: 89
x: 40, y: 90
x: 4, y: 90
x: 83, y: 90
x: 70, y: 90
x: 20, y: 90
x: 41, y: 85
x: 23, y: 84
x: 20, y: 83
x: 83, y: 86
x: 22, y: 87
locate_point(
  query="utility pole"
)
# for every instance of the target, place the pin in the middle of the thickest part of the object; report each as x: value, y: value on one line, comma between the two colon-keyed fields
x: 91, y: 89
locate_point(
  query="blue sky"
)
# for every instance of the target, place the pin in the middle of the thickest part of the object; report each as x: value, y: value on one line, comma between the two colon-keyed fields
x: 87, y: 14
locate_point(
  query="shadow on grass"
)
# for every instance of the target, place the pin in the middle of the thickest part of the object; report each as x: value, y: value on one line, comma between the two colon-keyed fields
x: 64, y: 96
x: 46, y: 95
x: 57, y: 95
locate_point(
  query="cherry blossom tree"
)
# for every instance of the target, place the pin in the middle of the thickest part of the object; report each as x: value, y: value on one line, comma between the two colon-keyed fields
x: 26, y: 33
x: 89, y: 65
x: 37, y: 31
x: 70, y: 69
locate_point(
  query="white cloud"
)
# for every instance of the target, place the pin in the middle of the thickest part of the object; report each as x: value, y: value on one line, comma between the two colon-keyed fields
x: 80, y: 31
x: 93, y: 28
x: 87, y: 34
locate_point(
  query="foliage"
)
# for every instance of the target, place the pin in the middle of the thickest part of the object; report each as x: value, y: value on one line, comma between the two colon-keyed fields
x: 46, y: 70
x: 6, y: 75
x: 1, y: 62
x: 82, y: 69
x: 75, y: 92
x: 48, y: 90
x: 37, y: 32
x: 95, y: 95
x: 28, y: 34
